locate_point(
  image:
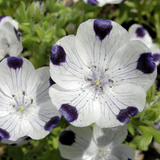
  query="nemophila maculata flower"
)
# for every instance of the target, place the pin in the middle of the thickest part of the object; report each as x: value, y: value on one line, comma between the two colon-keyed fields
x: 25, y: 106
x: 101, y: 3
x: 10, y: 39
x: 137, y: 32
x: 101, y: 76
x: 101, y: 144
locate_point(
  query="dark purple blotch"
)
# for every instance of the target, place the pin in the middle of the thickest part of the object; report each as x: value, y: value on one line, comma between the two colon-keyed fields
x: 92, y: 2
x: 1, y: 17
x: 15, y: 62
x: 58, y: 56
x: 69, y: 112
x: 67, y: 137
x: 51, y: 123
x: 4, y: 134
x: 156, y: 57
x: 102, y: 28
x: 140, y: 32
x: 18, y: 35
x: 124, y: 114
x: 40, y: 2
x: 51, y: 82
x: 145, y: 63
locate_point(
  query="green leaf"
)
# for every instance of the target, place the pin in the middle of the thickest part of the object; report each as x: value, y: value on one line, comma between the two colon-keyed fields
x: 30, y: 11
x: 16, y: 153
x: 21, y: 13
x: 37, y: 16
x: 39, y: 31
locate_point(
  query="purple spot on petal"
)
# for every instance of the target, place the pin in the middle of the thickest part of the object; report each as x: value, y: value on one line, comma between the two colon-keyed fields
x: 15, y: 62
x: 51, y: 82
x: 4, y: 134
x: 124, y: 114
x: 156, y: 57
x: 140, y: 32
x: 69, y: 112
x: 51, y: 123
x: 92, y: 2
x: 1, y: 17
x: 58, y: 56
x: 17, y: 34
x: 67, y: 137
x: 145, y: 63
x: 102, y: 28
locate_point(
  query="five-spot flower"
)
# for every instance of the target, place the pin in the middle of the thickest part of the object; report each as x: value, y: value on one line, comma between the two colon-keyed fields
x: 137, y: 32
x: 101, y: 76
x: 101, y: 3
x: 10, y: 39
x: 101, y: 144
x: 25, y: 106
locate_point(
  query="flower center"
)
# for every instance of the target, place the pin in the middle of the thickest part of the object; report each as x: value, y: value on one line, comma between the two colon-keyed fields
x: 21, y: 102
x: 97, y: 82
x: 21, y: 108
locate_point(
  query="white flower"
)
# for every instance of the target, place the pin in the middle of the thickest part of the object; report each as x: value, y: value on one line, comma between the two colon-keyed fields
x: 137, y: 32
x: 18, y: 142
x: 101, y: 76
x: 25, y: 106
x: 101, y: 144
x: 101, y: 3
x: 10, y: 39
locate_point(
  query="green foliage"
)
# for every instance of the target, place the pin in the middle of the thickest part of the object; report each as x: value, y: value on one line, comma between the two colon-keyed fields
x: 40, y: 31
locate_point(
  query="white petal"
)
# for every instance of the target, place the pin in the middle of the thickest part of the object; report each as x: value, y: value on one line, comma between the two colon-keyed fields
x: 77, y: 143
x: 77, y: 106
x: 133, y: 64
x: 66, y: 68
x: 137, y: 32
x: 101, y: 3
x: 123, y: 152
x: 19, y: 141
x: 13, y: 81
x: 98, y: 40
x: 156, y: 53
x: 14, y: 44
x: 118, y: 103
x: 109, y: 136
x: 8, y: 19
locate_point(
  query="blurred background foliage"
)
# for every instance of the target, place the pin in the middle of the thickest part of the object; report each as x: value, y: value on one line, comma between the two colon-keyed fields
x: 41, y: 27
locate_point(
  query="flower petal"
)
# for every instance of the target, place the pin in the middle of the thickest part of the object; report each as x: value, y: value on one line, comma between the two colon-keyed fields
x: 133, y: 64
x: 119, y: 103
x: 77, y: 143
x: 156, y: 53
x: 107, y: 136
x: 77, y: 106
x: 97, y: 41
x: 137, y: 32
x: 66, y: 68
x: 14, y: 75
x: 101, y: 3
x: 20, y: 141
x: 123, y: 151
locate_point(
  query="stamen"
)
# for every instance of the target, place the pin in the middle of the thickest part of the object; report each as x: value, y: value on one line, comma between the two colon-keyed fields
x: 97, y: 82
x: 21, y: 109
